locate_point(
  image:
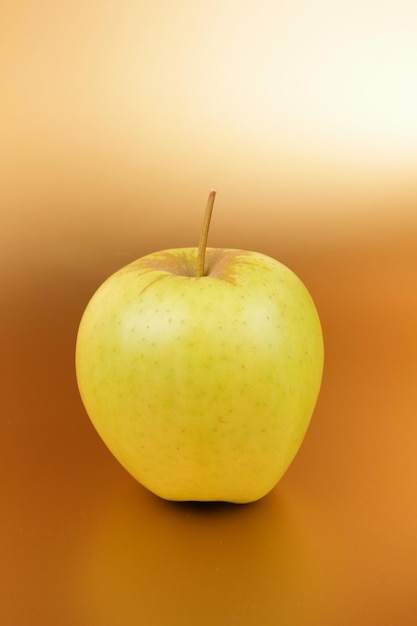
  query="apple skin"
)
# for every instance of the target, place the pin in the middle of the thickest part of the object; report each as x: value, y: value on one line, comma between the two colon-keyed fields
x: 202, y: 387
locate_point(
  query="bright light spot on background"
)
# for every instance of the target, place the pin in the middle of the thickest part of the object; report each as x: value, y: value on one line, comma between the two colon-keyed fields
x: 331, y: 73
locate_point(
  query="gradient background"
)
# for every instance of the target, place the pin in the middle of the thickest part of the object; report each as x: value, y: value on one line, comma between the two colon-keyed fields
x: 116, y: 118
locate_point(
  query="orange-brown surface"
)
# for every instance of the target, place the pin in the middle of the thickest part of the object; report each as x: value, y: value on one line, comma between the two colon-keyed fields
x: 116, y: 120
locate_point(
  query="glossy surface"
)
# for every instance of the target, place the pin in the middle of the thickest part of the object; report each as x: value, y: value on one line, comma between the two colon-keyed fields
x: 335, y: 542
x: 113, y: 129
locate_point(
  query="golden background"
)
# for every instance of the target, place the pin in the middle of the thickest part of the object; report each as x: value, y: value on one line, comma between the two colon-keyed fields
x: 116, y: 118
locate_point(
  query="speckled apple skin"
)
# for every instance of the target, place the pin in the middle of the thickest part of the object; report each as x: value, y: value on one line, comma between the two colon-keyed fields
x: 202, y: 388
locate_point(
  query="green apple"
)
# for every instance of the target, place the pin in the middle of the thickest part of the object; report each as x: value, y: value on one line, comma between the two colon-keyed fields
x: 201, y: 382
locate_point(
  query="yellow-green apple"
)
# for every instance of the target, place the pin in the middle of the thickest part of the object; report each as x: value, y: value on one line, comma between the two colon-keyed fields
x: 200, y: 370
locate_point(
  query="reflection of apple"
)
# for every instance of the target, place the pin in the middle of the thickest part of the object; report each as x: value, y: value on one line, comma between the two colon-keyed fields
x: 201, y: 383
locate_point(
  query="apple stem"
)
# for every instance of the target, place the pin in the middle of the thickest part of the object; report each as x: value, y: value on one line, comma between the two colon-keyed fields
x: 204, y: 234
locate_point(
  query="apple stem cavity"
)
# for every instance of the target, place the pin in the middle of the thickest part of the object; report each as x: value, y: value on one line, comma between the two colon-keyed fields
x: 204, y: 234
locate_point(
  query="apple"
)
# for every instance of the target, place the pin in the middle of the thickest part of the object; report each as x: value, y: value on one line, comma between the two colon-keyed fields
x: 200, y: 369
